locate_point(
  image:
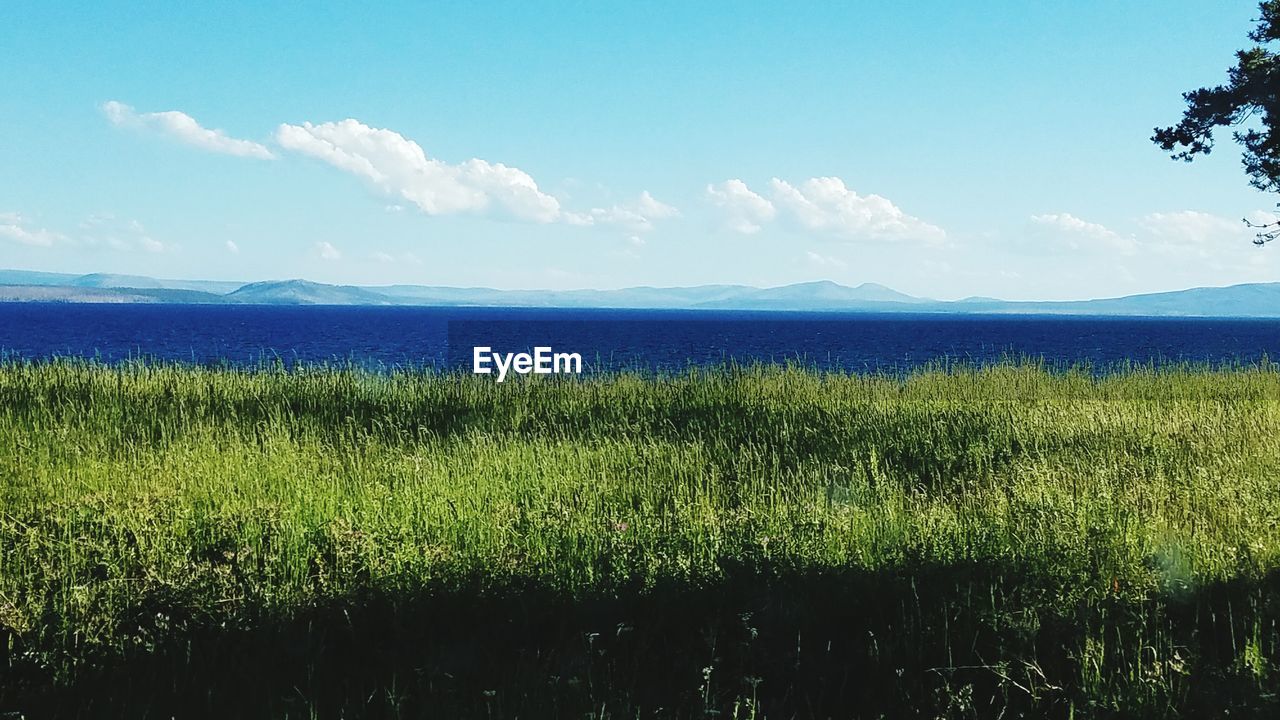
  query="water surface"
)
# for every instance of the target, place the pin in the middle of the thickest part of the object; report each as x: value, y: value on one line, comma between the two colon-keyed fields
x: 249, y: 335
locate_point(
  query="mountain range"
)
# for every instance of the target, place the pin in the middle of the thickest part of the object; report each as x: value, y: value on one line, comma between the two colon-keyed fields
x: 1250, y: 300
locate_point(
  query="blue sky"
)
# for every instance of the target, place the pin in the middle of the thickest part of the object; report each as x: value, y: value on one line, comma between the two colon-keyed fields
x: 935, y: 147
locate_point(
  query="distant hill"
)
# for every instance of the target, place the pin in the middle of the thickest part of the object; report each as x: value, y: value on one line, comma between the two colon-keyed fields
x: 112, y: 280
x: 636, y: 297
x: 109, y: 280
x: 304, y: 292
x: 1250, y: 300
x: 30, y: 277
x: 52, y: 293
x: 822, y: 294
x: 66, y: 293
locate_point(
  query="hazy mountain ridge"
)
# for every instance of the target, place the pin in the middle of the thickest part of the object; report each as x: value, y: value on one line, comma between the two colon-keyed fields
x: 113, y: 281
x: 304, y: 292
x: 1249, y: 300
x: 821, y: 294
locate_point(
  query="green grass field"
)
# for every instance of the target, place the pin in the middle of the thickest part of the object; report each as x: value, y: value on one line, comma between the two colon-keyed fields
x: 737, y: 543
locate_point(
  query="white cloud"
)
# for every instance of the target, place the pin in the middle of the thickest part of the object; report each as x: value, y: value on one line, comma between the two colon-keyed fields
x: 1262, y: 217
x: 399, y: 167
x: 407, y: 258
x: 1180, y: 234
x: 232, y: 247
x: 821, y: 204
x: 327, y: 251
x: 14, y: 227
x: 825, y: 203
x: 652, y: 209
x: 184, y: 128
x: 118, y: 234
x: 1071, y: 223
x: 745, y: 211
x: 825, y: 261
x: 1193, y: 228
x: 1081, y: 234
x: 638, y: 215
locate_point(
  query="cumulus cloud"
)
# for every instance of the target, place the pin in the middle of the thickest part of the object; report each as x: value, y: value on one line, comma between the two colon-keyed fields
x: 745, y: 211
x: 825, y: 203
x: 400, y: 167
x: 821, y: 204
x: 1080, y: 234
x: 185, y: 129
x: 327, y: 251
x: 652, y: 209
x: 16, y: 228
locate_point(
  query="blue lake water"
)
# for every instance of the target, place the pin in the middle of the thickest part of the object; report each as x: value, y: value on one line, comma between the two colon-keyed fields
x: 609, y: 339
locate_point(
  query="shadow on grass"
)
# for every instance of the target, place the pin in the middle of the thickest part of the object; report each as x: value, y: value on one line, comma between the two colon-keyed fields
x: 941, y: 641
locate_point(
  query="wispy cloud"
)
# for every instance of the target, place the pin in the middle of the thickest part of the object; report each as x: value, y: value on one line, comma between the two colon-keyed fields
x: 638, y: 215
x: 387, y: 258
x: 232, y: 247
x: 113, y: 233
x: 183, y: 128
x: 1077, y: 234
x: 1177, y: 234
x: 1194, y: 228
x: 825, y: 261
x: 326, y: 251
x: 16, y: 228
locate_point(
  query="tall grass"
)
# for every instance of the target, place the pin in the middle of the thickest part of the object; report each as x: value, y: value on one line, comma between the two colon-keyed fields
x: 744, y: 542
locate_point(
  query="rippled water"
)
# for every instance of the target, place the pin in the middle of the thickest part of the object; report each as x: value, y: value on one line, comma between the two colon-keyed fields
x: 400, y: 336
